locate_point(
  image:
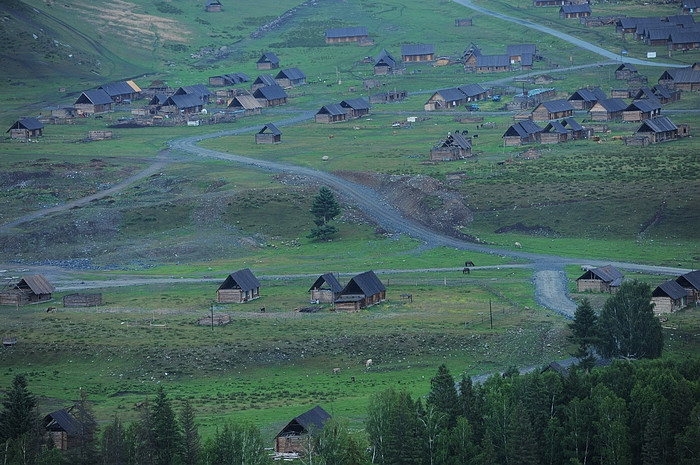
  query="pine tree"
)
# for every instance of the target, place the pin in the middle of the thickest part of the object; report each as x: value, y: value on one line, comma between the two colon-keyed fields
x: 165, y: 433
x: 324, y: 209
x: 443, y: 395
x: 190, y: 434
x: 19, y: 411
x: 113, y: 443
x: 584, y: 332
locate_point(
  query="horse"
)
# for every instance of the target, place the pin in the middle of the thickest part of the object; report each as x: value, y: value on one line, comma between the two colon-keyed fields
x: 469, y: 263
x: 518, y: 245
x: 368, y: 363
x: 262, y: 309
x: 51, y: 309
x: 466, y: 270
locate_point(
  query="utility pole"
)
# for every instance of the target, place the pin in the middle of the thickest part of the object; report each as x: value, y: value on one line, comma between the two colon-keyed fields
x: 490, y: 314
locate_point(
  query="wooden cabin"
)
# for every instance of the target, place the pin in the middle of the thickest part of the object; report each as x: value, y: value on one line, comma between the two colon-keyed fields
x: 684, y: 40
x: 183, y: 104
x: 575, y: 11
x: 332, y: 113
x: 271, y: 96
x: 554, y: 133
x: 552, y: 109
x: 691, y: 283
x: 364, y: 290
x: 29, y: 289
x: 608, y: 109
x: 239, y: 287
x: 268, y: 60
x: 91, y: 102
x: 462, y: 22
x: 640, y: 110
x: 269, y: 134
x: 230, y: 79
x: 325, y: 289
x: 474, y: 92
x: 82, y: 300
x: 246, y: 103
x: 199, y: 90
x: 686, y: 79
x: 356, y: 107
x: 445, y: 99
x: 668, y: 297
x: 414, y: 53
x: 660, y: 129
x: 262, y: 81
x: 522, y: 54
x: 522, y: 132
x: 290, y: 440
x: 388, y: 96
x: 584, y: 99
x: 290, y: 77
x: 69, y: 428
x: 603, y: 279
x: 456, y: 146
x: 492, y: 63
x: 384, y: 64
x: 122, y: 91
x: 26, y: 128
x: 625, y: 71
x: 549, y: 2
x: 345, y: 35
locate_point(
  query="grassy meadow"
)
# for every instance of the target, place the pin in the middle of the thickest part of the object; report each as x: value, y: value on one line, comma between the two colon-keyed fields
x: 192, y: 221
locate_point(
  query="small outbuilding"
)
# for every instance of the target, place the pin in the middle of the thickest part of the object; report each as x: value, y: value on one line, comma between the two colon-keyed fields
x: 413, y: 53
x: 93, y: 101
x: 456, y: 146
x: 332, y: 113
x: 262, y: 81
x: 271, y: 96
x: 575, y: 11
x: 290, y: 440
x: 445, y: 99
x: 29, y: 289
x: 364, y: 290
x: 356, y: 107
x: 248, y: 104
x: 668, y: 297
x: 639, y: 110
x: 213, y: 6
x: 26, y: 128
x: 691, y: 283
x: 70, y: 427
x: 268, y: 60
x: 239, y: 287
x: 552, y: 109
x: 585, y: 98
x: 325, y: 289
x: 384, y: 64
x: 522, y: 132
x: 269, y: 134
x: 625, y: 71
x: 82, y: 300
x: 660, y: 129
x: 608, y: 109
x: 603, y: 279
x: 291, y: 77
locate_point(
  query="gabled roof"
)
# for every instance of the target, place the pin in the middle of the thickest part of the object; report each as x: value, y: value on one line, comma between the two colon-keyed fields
x: 451, y: 94
x: 523, y: 129
x: 234, y: 78
x: 293, y: 74
x: 557, y: 105
x: 627, y: 66
x: 644, y: 105
x: 29, y: 124
x: 269, y: 57
x: 571, y: 124
x: 114, y: 89
x: 335, y: 33
x: 158, y: 99
x: 456, y: 140
x: 660, y: 124
x: 329, y: 279
x: 266, y: 79
x: 572, y: 9
x: 683, y: 75
x: 270, y: 128
x: 682, y: 20
x: 417, y: 49
x: 367, y: 283
x: 385, y: 59
x: 685, y: 37
x: 195, y: 89
x: 247, y: 102
x: 644, y: 92
x: 520, y: 50
x: 184, y: 101
x: 670, y: 289
x: 660, y: 33
x: 312, y: 419
x: 334, y: 109
x: 242, y: 278
x: 662, y: 91
x: 355, y: 104
x: 612, y: 105
x: 272, y: 92
x: 472, y: 90
x: 491, y: 61
x: 692, y: 279
x: 607, y: 274
x: 37, y: 283
x: 95, y: 97
x: 555, y: 126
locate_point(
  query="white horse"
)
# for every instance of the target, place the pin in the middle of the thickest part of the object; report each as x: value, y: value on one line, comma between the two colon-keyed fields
x: 368, y: 363
x: 518, y: 245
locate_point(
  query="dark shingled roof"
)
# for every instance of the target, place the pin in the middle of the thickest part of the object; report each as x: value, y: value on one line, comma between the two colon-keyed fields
x: 269, y: 57
x: 607, y: 274
x: 272, y: 92
x: 271, y: 128
x: 492, y: 61
x: 293, y: 74
x: 335, y: 33
x: 451, y: 94
x: 572, y: 124
x: 312, y: 419
x: 367, y: 283
x: 647, y: 105
x: 37, y: 283
x: 524, y: 129
x: 95, y: 97
x: 333, y: 109
x: 683, y: 75
x: 685, y: 37
x: 588, y: 95
x: 243, y: 279
x: 520, y: 50
x: 62, y: 420
x: 628, y: 66
x: 27, y: 123
x: 266, y: 79
x: 355, y: 104
x: 117, y: 88
x: 472, y: 90
x: 558, y: 105
x: 691, y: 279
x: 329, y: 279
x: 661, y: 91
x: 196, y: 89
x: 613, y: 105
x: 184, y: 100
x: 671, y: 289
x: 385, y: 58
x: 660, y: 124
x: 417, y: 49
x: 572, y: 9
x: 555, y: 126
x: 158, y: 99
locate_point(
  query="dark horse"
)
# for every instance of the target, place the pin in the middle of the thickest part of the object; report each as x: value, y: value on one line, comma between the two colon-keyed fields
x: 465, y: 270
x: 468, y: 263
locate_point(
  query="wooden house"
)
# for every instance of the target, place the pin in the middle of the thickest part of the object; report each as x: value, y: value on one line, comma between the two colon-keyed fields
x: 262, y: 81
x: 554, y: 133
x: 413, y: 53
x: 665, y: 95
x: 603, y: 279
x: 684, y: 40
x: 248, y: 104
x: 269, y: 134
x: 363, y: 290
x: 325, y: 289
x: 268, y: 60
x: 642, y: 109
x: 469, y: 58
x: 549, y: 2
x: 462, y: 22
x: 689, y: 7
x: 239, y: 287
x: 344, y: 35
x: 492, y: 63
x: 575, y: 11
x: 271, y: 96
x: 474, y: 92
x: 625, y: 71
x: 69, y: 428
x: 522, y: 54
x: 658, y: 36
x: 522, y: 132
x: 291, y: 77
x: 668, y: 297
x: 230, y: 79
x: 608, y: 109
x: 691, y: 283
x: 182, y: 104
x: 290, y: 440
x: 384, y: 64
x: 199, y: 90
x: 660, y: 129
x: 576, y: 131
x: 91, y: 102
x: 455, y: 146
x: 82, y: 300
x: 686, y: 79
x: 213, y: 6
x: 122, y: 91
x: 155, y: 104
x: 552, y: 109
x: 333, y: 113
x: 388, y: 96
x: 445, y: 99
x: 26, y: 128
x: 29, y: 289
x: 585, y: 98
x: 356, y: 107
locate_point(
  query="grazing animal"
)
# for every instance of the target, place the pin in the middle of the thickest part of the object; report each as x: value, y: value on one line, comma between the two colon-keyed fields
x: 352, y: 378
x: 336, y: 371
x: 50, y: 309
x: 469, y: 263
x: 331, y: 136
x: 368, y: 363
x: 466, y: 270
x: 262, y: 309
x: 518, y: 245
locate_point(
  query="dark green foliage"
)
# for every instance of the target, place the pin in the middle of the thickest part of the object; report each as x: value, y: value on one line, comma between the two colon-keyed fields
x: 393, y: 428
x: 19, y: 424
x: 628, y: 327
x: 165, y: 435
x: 443, y: 396
x: 190, y: 435
x: 84, y: 449
x: 168, y: 8
x: 324, y: 209
x: 113, y: 445
x: 334, y: 445
x: 235, y: 443
x: 584, y: 333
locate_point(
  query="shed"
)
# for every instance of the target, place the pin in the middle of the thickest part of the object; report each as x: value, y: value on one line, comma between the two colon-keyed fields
x: 603, y: 279
x: 384, y: 63
x: 291, y: 77
x: 454, y: 147
x: 640, y: 110
x: 122, y: 91
x: 552, y: 109
x: 364, y: 290
x: 660, y: 129
x: 230, y: 79
x: 332, y: 113
x: 239, y: 287
x: 29, y: 289
x: 549, y: 2
x: 554, y: 133
x: 325, y: 289
x: 474, y: 92
x: 445, y: 99
x: 576, y: 131
x: 93, y: 101
x: 522, y: 132
x: 608, y: 109
x: 686, y: 79
x: 199, y: 90
x: 575, y: 11
x: 524, y: 54
x: 461, y: 22
x: 388, y: 96
x: 246, y: 103
x: 668, y: 297
x: 412, y: 53
x: 585, y: 98
x: 270, y: 96
x: 262, y: 81
x: 492, y: 63
x: 290, y: 439
x: 268, y: 60
x: 356, y: 107
x: 183, y: 103
x: 269, y: 134
x: 69, y: 427
x: 82, y: 300
x: 665, y: 95
x: 345, y: 34
x: 625, y: 71
x: 691, y: 283
x: 213, y: 6
x: 26, y: 128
